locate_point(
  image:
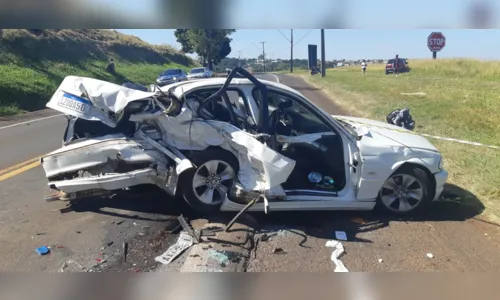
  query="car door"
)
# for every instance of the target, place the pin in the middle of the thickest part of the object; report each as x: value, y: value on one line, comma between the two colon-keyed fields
x: 314, y: 127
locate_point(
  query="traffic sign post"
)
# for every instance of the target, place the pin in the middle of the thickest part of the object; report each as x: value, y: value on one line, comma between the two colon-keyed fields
x: 436, y: 42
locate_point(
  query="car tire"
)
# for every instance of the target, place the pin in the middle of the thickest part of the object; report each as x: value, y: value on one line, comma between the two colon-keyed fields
x: 408, y: 191
x: 211, y: 164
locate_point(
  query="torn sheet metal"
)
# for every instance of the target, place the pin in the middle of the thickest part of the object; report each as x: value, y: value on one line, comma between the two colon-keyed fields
x: 184, y: 242
x: 338, y: 250
x: 93, y: 99
x: 108, y: 182
x: 261, y: 168
x: 98, y: 151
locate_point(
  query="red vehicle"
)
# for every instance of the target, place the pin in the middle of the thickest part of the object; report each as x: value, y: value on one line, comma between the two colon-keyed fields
x: 402, y: 66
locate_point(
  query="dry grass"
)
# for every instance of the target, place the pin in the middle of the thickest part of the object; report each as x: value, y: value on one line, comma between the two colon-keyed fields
x: 461, y: 99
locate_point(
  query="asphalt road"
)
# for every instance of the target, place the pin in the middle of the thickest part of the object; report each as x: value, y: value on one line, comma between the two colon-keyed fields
x: 91, y: 234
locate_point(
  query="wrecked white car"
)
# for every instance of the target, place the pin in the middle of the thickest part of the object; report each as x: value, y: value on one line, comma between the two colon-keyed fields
x: 222, y: 142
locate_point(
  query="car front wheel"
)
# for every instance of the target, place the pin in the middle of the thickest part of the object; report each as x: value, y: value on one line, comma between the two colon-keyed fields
x: 206, y: 187
x: 405, y: 192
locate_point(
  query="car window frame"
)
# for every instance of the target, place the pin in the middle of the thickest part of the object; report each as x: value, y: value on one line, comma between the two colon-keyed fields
x: 225, y: 98
x: 304, y: 102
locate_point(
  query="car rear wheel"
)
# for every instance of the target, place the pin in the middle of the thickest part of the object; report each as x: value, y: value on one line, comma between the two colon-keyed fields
x: 405, y: 192
x: 206, y: 187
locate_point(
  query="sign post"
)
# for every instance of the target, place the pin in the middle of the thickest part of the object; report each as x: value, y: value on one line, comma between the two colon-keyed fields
x: 436, y: 42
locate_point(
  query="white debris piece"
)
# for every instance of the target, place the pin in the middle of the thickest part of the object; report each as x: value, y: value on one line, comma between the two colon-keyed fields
x: 341, y: 235
x: 338, y: 250
x: 414, y: 94
x: 185, y: 241
x: 429, y: 255
x: 380, y: 260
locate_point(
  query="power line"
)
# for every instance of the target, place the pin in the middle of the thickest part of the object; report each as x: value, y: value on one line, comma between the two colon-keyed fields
x: 256, y: 46
x: 305, y: 35
x: 283, y: 35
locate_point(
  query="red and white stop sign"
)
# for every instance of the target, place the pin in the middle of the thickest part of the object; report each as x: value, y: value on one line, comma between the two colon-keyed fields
x: 436, y: 41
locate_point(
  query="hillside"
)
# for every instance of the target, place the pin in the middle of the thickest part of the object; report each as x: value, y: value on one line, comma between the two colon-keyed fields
x: 452, y: 98
x: 34, y: 62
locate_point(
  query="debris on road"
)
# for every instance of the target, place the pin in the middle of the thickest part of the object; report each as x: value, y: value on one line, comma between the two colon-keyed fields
x: 429, y: 255
x: 414, y: 94
x: 265, y: 237
x: 124, y: 250
x: 278, y: 250
x: 221, y: 257
x: 99, y: 262
x: 70, y: 262
x: 380, y: 260
x: 244, y: 209
x: 184, y: 223
x: 341, y: 235
x: 358, y: 220
x: 184, y: 242
x: 338, y: 250
x: 42, y: 250
x: 173, y: 227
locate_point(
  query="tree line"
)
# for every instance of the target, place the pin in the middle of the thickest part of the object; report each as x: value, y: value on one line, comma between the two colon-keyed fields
x: 214, y: 45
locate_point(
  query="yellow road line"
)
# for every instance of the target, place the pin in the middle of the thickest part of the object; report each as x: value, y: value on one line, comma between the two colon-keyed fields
x: 19, y: 168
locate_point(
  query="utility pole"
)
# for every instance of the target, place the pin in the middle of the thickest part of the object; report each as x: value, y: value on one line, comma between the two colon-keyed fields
x: 323, y: 64
x: 239, y: 58
x: 264, y: 56
x: 291, y: 50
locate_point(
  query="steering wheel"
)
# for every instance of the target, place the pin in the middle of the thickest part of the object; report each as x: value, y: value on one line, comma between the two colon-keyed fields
x: 280, y: 122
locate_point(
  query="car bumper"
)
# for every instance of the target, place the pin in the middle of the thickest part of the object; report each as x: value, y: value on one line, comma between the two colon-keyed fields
x: 440, y: 178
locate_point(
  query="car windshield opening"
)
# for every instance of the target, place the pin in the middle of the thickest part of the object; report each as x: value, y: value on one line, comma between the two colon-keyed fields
x: 195, y: 71
x: 169, y: 72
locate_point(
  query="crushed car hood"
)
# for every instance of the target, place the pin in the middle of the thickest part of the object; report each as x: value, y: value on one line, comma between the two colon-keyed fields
x: 388, y: 134
x: 97, y: 98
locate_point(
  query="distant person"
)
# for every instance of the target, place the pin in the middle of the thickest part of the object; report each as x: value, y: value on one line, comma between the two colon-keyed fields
x: 111, y: 66
x: 363, y: 67
x: 396, y: 65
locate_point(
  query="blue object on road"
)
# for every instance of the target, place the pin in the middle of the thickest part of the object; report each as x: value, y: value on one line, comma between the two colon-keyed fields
x: 42, y: 250
x: 315, y: 177
x: 327, y: 180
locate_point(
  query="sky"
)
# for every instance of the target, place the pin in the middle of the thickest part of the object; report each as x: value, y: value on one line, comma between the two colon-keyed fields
x: 356, y: 14
x: 348, y: 43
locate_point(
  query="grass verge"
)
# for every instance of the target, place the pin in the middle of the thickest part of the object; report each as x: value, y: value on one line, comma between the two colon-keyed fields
x: 34, y: 62
x: 449, y: 98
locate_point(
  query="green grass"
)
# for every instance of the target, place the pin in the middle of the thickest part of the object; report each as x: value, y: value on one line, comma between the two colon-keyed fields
x: 461, y: 100
x: 33, y: 66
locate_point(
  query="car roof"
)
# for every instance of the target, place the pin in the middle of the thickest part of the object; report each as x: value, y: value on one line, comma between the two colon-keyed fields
x: 188, y: 86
